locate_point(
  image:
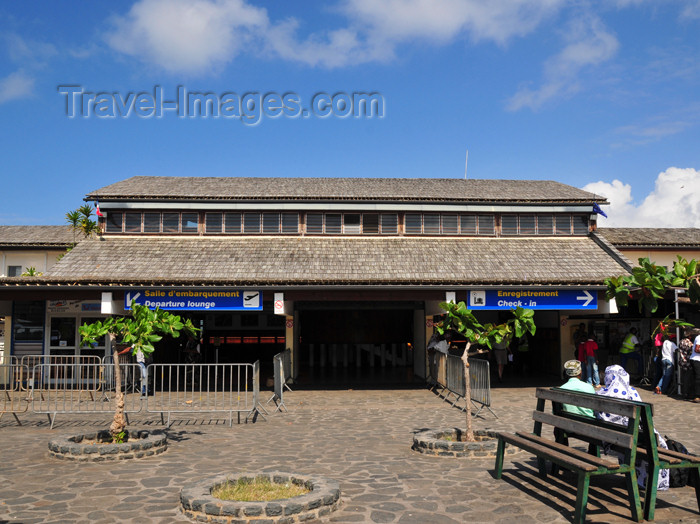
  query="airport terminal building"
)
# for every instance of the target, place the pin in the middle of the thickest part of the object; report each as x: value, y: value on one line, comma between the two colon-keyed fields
x: 347, y: 273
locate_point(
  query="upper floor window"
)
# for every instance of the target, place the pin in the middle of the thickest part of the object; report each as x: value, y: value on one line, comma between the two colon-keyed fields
x: 352, y: 223
x: 251, y: 222
x: 152, y: 222
x: 521, y: 224
x: 448, y: 224
x: 189, y: 222
x: 561, y: 224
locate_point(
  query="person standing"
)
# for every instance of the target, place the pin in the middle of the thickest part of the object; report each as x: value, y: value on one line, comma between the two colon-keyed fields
x: 523, y: 360
x: 668, y: 350
x: 686, y: 367
x: 580, y: 335
x: 695, y: 361
x: 630, y: 349
x: 141, y: 361
x: 590, y: 348
x: 500, y: 350
x: 581, y: 355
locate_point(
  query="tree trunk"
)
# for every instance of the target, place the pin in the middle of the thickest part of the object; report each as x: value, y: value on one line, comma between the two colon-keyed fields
x: 118, y: 423
x: 468, y: 394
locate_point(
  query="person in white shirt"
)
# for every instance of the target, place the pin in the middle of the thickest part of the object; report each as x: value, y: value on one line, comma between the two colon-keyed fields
x: 668, y: 351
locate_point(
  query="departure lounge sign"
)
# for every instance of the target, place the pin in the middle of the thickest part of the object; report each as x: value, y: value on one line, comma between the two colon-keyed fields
x: 555, y: 299
x: 195, y: 299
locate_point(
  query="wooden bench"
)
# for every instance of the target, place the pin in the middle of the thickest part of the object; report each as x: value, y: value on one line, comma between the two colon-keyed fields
x: 632, y: 441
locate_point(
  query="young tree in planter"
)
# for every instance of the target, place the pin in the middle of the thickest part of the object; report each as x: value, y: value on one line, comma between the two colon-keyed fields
x: 140, y: 331
x: 461, y: 320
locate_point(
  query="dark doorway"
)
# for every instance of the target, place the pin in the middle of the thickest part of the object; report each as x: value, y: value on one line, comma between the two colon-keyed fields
x: 356, y: 347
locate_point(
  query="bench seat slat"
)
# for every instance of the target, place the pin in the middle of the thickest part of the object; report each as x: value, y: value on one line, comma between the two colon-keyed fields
x: 627, y: 408
x: 669, y: 456
x: 618, y: 438
x: 563, y: 459
x: 668, y: 453
x: 598, y: 461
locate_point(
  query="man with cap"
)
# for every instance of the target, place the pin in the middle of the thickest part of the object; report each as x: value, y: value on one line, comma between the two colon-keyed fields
x: 573, y: 371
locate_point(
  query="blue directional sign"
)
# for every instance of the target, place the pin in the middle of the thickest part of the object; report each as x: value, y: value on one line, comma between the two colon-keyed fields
x: 533, y: 299
x: 195, y: 299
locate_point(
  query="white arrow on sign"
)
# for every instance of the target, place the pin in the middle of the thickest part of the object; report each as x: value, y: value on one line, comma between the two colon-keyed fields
x: 587, y: 297
x: 129, y: 298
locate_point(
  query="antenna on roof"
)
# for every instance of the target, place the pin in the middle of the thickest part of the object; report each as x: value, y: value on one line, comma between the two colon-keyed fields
x: 466, y: 162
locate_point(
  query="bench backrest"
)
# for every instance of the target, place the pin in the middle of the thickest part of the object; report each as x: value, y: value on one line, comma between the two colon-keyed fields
x: 628, y: 437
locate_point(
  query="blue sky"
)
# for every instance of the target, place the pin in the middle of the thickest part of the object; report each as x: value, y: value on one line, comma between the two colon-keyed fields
x: 602, y: 95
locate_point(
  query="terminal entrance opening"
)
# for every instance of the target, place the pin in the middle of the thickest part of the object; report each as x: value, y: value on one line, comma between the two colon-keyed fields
x: 356, y: 344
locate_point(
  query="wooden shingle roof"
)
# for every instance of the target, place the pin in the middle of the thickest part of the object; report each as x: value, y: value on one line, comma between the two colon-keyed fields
x: 36, y: 236
x: 145, y: 188
x: 334, y: 261
x: 654, y: 237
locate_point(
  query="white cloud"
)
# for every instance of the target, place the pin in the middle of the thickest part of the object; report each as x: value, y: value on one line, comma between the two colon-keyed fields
x: 15, y: 86
x: 31, y: 56
x: 330, y: 49
x: 674, y: 202
x: 183, y: 36
x: 496, y: 20
x: 588, y: 43
x: 691, y: 10
x: 186, y: 36
x: 634, y: 136
x: 29, y: 52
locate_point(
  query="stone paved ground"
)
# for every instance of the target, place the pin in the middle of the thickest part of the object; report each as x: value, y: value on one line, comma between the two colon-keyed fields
x: 362, y: 438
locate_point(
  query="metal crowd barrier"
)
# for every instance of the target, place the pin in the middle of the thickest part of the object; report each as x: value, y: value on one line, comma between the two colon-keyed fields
x: 205, y: 388
x: 12, y: 396
x: 70, y: 388
x: 287, y: 367
x: 449, y: 377
x: 84, y: 385
x: 63, y: 369
x: 440, y: 370
x: 480, y: 381
x: 130, y: 373
x: 279, y: 383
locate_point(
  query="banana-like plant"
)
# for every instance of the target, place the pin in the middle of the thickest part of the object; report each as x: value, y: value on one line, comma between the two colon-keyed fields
x: 649, y: 282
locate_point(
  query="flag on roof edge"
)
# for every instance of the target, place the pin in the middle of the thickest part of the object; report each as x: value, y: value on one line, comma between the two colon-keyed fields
x: 97, y: 209
x: 596, y: 209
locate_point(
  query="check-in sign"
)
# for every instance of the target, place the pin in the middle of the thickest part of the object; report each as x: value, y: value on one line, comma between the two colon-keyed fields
x: 533, y: 299
x: 195, y: 299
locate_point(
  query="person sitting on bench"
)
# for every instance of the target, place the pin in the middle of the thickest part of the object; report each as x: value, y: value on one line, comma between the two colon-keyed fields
x: 617, y: 385
x: 574, y: 371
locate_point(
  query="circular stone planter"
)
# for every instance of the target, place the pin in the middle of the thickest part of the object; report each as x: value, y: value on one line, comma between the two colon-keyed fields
x: 199, y: 504
x: 449, y: 443
x: 98, y: 447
